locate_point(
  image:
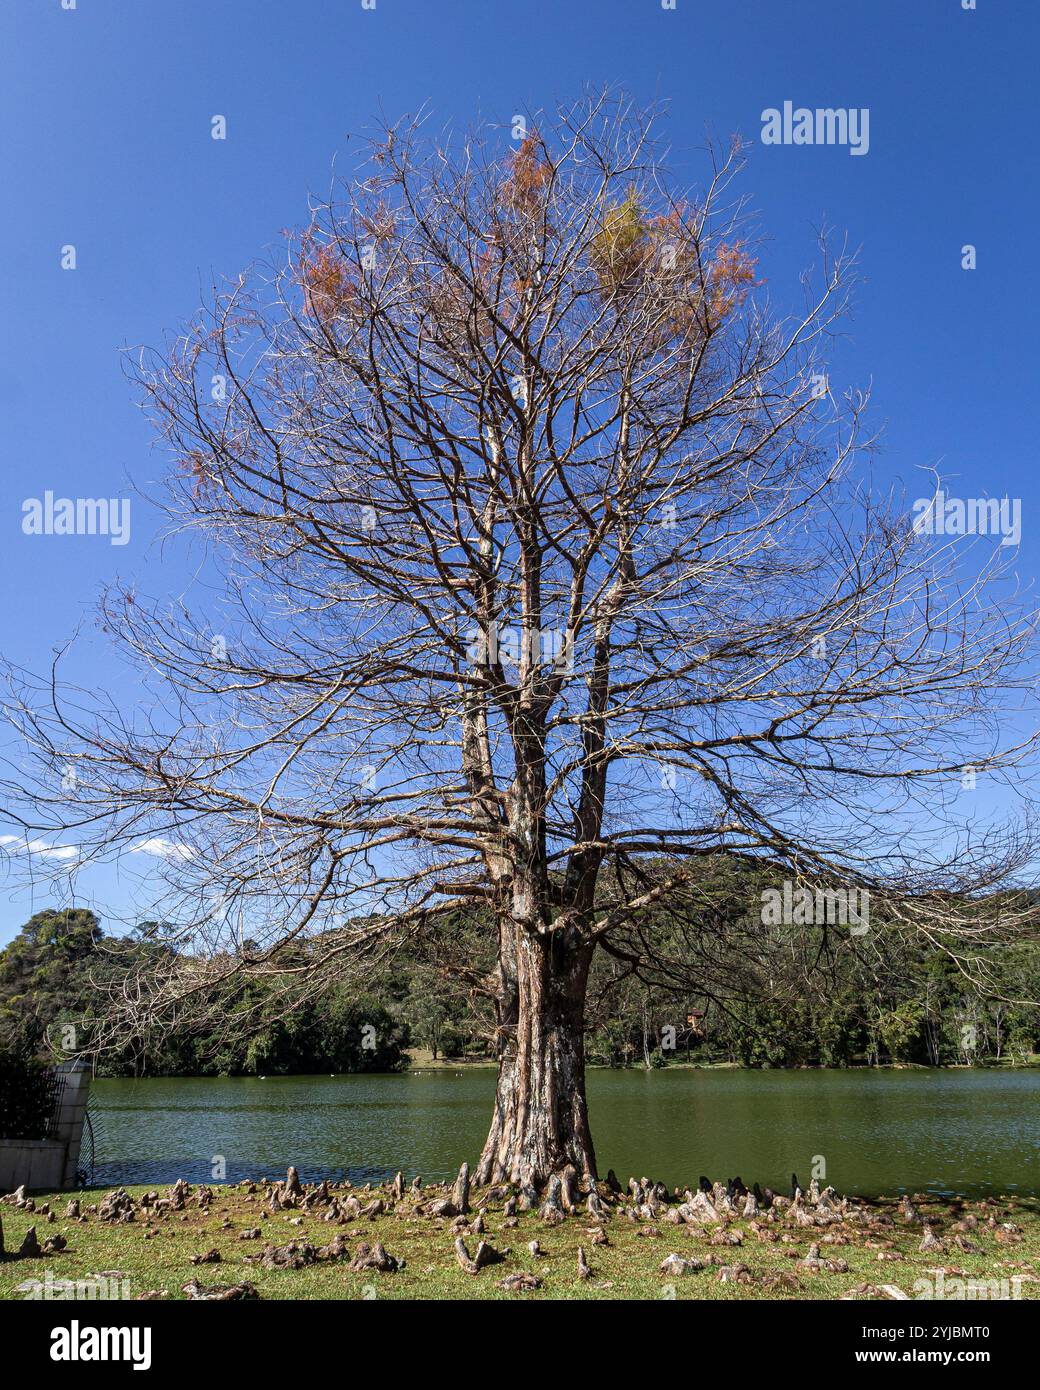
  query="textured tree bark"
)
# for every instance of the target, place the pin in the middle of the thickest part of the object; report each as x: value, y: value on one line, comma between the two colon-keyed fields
x: 541, y: 1124
x: 507, y: 1011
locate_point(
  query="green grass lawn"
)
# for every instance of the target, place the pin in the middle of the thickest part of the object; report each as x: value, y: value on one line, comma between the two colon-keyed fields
x: 153, y: 1251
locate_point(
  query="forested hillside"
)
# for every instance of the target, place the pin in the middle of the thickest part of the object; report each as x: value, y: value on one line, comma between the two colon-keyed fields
x: 709, y: 985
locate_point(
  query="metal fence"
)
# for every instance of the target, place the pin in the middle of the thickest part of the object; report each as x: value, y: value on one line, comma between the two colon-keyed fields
x: 88, y: 1147
x: 30, y: 1097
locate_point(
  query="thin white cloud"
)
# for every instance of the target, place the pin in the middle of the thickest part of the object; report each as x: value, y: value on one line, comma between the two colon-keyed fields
x: 20, y: 844
x: 163, y: 849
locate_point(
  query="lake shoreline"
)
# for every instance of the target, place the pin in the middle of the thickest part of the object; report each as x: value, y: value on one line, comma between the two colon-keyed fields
x: 418, y: 1062
x: 421, y: 1061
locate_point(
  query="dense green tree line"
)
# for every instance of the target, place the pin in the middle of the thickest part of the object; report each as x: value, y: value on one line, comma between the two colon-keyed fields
x: 709, y: 984
x: 60, y: 969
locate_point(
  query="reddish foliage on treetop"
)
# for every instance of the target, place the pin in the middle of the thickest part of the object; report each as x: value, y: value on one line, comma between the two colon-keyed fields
x: 327, y: 288
x: 528, y: 177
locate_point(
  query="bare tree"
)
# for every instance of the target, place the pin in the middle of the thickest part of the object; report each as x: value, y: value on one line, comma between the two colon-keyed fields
x: 547, y: 567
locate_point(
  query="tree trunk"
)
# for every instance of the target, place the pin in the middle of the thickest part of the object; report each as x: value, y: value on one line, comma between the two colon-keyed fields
x: 541, y: 1120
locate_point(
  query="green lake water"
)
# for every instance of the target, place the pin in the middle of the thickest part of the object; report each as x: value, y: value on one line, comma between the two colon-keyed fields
x: 972, y: 1132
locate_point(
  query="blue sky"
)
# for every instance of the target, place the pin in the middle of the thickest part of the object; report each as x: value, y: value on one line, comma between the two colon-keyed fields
x: 107, y: 112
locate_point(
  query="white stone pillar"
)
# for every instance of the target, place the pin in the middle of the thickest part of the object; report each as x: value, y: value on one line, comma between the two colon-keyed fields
x: 70, y: 1115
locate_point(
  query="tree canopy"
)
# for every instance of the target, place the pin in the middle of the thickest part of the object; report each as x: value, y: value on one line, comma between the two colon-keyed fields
x: 544, y: 562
